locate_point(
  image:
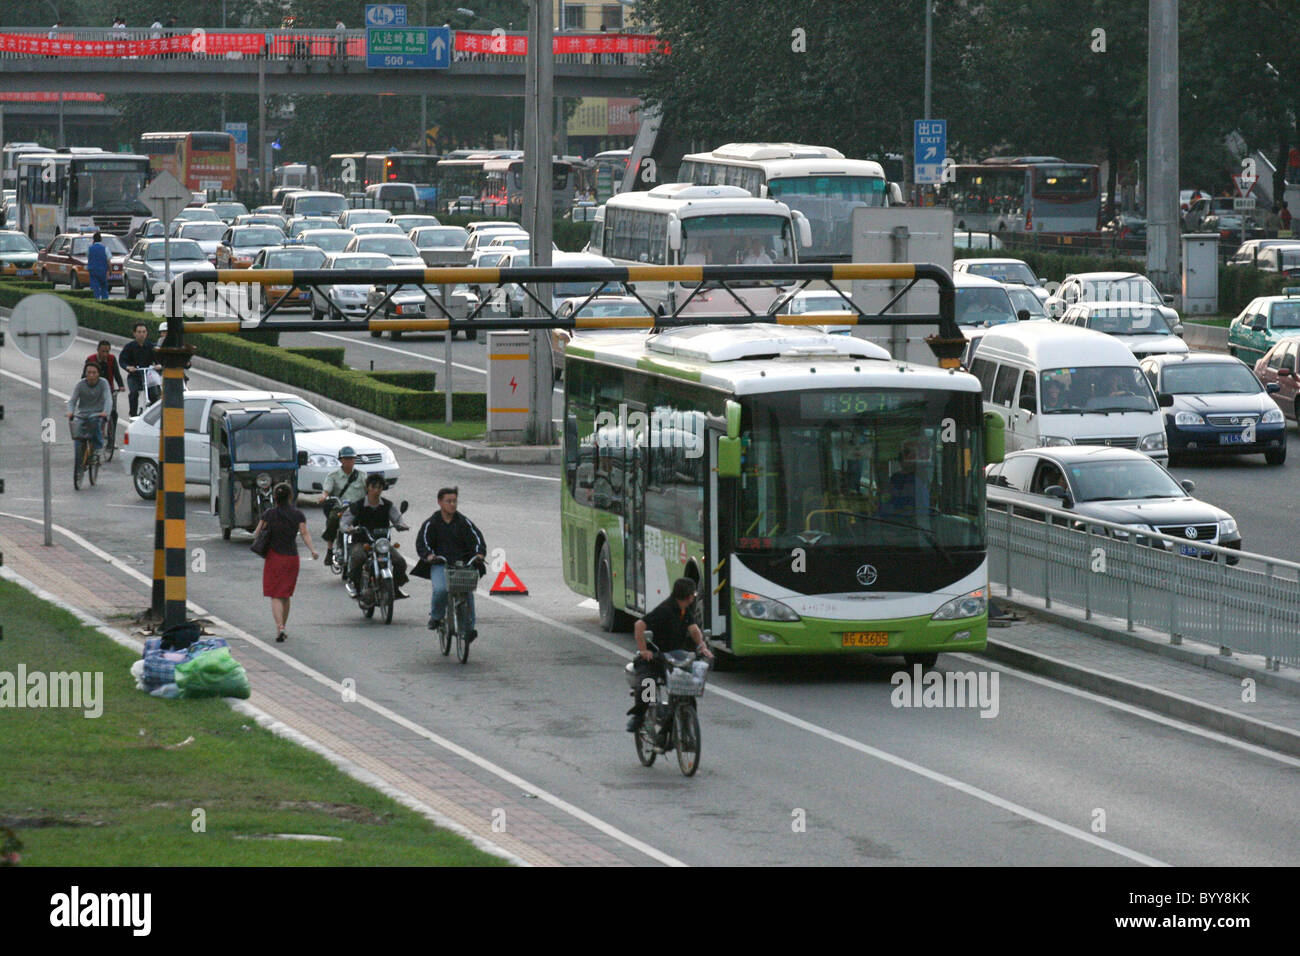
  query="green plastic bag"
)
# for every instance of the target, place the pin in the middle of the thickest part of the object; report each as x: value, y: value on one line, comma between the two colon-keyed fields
x: 212, y: 673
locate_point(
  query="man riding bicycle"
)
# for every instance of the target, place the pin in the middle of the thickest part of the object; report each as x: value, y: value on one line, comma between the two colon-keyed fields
x: 674, y: 629
x: 347, y: 485
x: 445, y: 538
x: 375, y: 513
x: 90, y: 404
x: 108, y: 370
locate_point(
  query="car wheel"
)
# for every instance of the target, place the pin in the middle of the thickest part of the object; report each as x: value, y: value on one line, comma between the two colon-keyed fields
x: 45, y: 276
x: 395, y: 335
x: 73, y: 282
x: 471, y: 336
x: 1275, y: 456
x: 144, y: 475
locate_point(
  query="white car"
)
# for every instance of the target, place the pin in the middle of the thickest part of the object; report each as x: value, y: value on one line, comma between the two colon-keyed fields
x: 398, y: 248
x: 1110, y: 287
x: 355, y: 217
x: 207, y: 234
x: 1140, y: 326
x: 1004, y: 270
x: 315, y: 432
x: 376, y: 229
x: 818, y: 300
x: 348, y: 299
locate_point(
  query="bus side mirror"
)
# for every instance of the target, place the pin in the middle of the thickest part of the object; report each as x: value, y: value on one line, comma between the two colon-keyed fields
x: 733, y: 419
x: 729, y: 450
x: 895, y: 194
x: 805, y: 228
x: 995, y: 438
x: 675, y: 234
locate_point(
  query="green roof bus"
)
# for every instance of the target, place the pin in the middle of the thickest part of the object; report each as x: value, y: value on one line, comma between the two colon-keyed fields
x: 828, y: 499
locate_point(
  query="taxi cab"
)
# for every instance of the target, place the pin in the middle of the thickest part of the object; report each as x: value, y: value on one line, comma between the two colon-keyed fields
x: 292, y: 255
x: 64, y: 259
x: 1263, y: 323
x: 17, y: 255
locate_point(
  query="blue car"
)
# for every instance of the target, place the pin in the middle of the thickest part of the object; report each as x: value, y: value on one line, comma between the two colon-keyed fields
x: 1219, y: 407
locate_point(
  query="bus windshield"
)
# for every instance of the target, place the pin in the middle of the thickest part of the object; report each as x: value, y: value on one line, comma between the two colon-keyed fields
x: 104, y: 187
x: 740, y: 239
x: 890, y: 469
x: 865, y: 189
x: 1064, y: 182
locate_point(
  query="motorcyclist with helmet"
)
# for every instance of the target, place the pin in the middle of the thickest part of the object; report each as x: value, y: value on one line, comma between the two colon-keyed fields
x: 346, y: 485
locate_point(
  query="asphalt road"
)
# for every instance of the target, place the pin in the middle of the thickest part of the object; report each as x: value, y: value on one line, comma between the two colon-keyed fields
x: 543, y: 695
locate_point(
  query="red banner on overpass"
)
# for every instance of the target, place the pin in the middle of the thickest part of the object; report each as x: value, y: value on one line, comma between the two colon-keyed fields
x: 197, y: 41
x: 504, y: 44
x: 52, y: 97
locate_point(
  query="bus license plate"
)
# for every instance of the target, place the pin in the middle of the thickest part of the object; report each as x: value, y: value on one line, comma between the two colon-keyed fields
x: 866, y: 639
x: 1231, y: 438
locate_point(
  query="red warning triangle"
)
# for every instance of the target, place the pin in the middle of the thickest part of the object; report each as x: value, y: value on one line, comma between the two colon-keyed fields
x: 516, y: 586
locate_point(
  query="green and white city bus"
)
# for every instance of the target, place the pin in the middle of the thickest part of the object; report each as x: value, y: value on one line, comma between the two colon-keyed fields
x: 828, y: 498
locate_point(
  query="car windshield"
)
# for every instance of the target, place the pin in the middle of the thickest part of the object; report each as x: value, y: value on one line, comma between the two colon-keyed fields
x: 442, y: 238
x: 819, y: 303
x: 308, y: 418
x: 1022, y: 298
x: 357, y: 216
x: 377, y: 229
x: 1209, y: 378
x: 203, y: 230
x: 180, y: 249
x: 1128, y: 321
x: 1105, y: 388
x: 329, y: 241
x: 330, y: 206
x: 486, y: 259
x: 245, y: 238
x: 294, y: 259
x: 1127, y: 289
x: 602, y: 309
x: 389, y: 245
x: 518, y: 242
x: 570, y: 290
x: 983, y: 307
x: 1122, y: 481
x: 198, y: 215
x: 414, y: 222
x: 230, y: 209
x: 1285, y: 315
x: 361, y: 262
x: 16, y: 242
x: 1004, y: 271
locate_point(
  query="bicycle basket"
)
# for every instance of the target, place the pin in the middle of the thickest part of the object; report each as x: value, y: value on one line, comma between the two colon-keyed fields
x: 683, y: 683
x: 462, y: 580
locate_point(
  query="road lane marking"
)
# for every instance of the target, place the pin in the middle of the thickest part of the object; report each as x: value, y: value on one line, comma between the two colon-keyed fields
x: 482, y: 762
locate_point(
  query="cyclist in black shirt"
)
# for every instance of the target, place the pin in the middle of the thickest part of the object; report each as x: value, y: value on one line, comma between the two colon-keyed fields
x: 674, y: 629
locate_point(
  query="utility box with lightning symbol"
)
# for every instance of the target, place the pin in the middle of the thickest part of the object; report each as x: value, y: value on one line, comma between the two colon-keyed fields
x: 509, y: 386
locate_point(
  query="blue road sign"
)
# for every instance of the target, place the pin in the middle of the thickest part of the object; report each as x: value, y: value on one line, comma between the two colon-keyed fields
x: 929, y: 148
x: 385, y: 14
x: 412, y: 48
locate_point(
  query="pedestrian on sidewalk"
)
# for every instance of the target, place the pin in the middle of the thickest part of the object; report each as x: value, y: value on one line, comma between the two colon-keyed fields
x: 280, y: 566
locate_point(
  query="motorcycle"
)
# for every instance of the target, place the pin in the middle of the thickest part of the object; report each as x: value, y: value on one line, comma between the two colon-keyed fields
x: 338, y: 563
x: 672, y: 721
x: 377, y: 590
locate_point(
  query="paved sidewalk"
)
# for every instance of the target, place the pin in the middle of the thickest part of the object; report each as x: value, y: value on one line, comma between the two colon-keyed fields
x: 405, y: 759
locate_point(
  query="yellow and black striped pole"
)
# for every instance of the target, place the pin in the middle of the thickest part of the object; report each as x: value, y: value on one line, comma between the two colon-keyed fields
x: 169, y: 552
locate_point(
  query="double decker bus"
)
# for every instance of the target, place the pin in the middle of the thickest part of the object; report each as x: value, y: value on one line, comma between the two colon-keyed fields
x: 825, y: 498
x: 816, y: 180
x: 1024, y: 194
x: 202, y: 161
x: 419, y: 169
x: 77, y: 190
x: 685, y: 224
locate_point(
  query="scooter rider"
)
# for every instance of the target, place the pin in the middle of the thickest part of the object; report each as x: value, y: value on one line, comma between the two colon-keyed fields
x: 347, y: 485
x: 374, y: 513
x: 674, y: 630
x: 449, y: 535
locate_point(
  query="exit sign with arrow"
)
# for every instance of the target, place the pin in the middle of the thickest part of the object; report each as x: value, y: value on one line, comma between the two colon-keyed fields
x: 410, y: 48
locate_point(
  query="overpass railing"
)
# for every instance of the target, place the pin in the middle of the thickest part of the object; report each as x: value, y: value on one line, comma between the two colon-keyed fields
x: 1232, y: 599
x: 202, y: 43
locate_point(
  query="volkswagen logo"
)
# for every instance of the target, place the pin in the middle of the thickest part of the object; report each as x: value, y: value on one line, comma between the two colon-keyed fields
x: 867, y: 575
x: 1190, y: 531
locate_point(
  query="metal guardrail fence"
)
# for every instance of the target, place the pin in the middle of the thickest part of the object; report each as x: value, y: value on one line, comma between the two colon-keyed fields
x: 1252, y: 606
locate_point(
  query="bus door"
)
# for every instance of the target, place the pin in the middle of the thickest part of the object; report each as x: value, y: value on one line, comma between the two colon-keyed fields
x: 719, y: 518
x: 634, y: 483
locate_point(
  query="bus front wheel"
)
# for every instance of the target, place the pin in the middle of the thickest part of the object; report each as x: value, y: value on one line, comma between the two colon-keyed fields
x: 611, y: 618
x: 925, y: 660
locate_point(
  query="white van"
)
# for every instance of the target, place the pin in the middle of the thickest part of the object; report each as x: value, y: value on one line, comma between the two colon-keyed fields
x: 1063, y: 385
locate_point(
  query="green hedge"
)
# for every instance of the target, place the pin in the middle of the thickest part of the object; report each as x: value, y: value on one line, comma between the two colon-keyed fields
x: 465, y: 407
x: 326, y: 354
x: 421, y: 381
x: 1239, y: 284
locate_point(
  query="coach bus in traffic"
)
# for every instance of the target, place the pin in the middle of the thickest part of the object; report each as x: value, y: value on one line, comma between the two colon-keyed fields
x: 685, y: 224
x: 492, y: 186
x: 202, y: 161
x: 816, y: 180
x: 1024, y: 194
x: 825, y: 498
x: 81, y: 190
x: 419, y: 169
x: 611, y: 167
x: 12, y: 151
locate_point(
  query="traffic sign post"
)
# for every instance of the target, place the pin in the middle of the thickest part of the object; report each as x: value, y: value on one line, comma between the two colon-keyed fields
x: 240, y: 132
x: 410, y: 48
x: 166, y: 196
x: 929, y: 148
x: 44, y: 327
x: 1245, y: 182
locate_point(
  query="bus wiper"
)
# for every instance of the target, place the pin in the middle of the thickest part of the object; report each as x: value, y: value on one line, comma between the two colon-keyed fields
x: 931, y: 537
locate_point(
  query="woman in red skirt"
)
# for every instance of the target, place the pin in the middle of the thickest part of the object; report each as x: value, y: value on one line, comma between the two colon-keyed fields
x: 280, y: 568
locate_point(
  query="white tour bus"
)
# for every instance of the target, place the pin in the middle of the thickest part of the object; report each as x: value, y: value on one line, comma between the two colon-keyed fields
x: 816, y: 180
x: 684, y: 224
x: 79, y: 190
x: 12, y: 152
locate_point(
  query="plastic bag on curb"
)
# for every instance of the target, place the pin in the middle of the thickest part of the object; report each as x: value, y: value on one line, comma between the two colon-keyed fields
x: 168, y: 691
x: 212, y: 673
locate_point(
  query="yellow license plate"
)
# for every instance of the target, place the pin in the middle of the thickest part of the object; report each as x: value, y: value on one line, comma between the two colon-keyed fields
x: 866, y: 639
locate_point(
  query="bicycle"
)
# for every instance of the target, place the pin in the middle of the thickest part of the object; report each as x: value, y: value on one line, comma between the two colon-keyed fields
x: 462, y: 581
x: 85, y: 460
x: 110, y: 433
x: 672, y: 722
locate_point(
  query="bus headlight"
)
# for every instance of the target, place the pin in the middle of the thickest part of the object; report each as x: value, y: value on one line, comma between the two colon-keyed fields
x: 1155, y: 442
x: 759, y: 608
x: 1050, y: 440
x: 972, y: 604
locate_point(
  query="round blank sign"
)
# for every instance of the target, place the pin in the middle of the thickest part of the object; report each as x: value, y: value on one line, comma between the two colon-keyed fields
x: 43, y: 313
